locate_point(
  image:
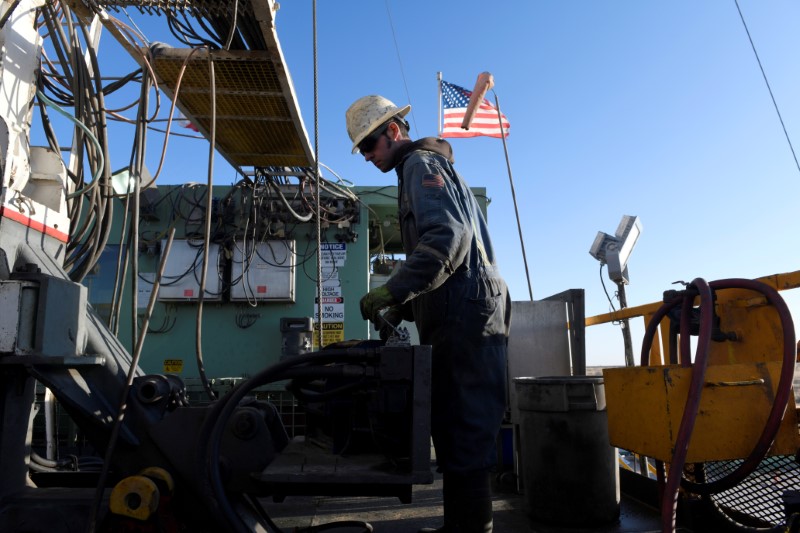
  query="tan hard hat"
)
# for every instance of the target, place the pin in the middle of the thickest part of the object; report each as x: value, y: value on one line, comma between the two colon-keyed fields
x: 367, y: 113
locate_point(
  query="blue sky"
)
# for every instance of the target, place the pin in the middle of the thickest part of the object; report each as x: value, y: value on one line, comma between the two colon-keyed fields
x: 649, y: 108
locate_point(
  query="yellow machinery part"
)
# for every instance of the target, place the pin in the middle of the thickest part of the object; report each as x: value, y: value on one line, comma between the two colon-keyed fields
x: 162, y: 478
x: 135, y: 497
x: 645, y: 406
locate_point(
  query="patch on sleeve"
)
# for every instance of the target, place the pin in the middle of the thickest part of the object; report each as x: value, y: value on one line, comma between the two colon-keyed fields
x: 433, y: 181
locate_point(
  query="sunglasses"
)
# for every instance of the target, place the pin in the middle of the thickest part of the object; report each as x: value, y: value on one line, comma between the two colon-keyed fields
x: 371, y: 140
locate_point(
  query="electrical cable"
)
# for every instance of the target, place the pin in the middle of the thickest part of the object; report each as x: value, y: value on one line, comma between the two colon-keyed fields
x: 400, y: 62
x: 318, y: 313
x: 346, y: 183
x: 134, y: 365
x: 81, y: 125
x: 769, y: 88
x: 204, y: 272
x: 176, y: 92
x: 232, y: 32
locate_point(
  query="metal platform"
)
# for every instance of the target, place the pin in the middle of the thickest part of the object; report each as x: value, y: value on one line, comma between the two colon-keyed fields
x: 257, y: 116
x: 388, y: 515
x: 304, y: 468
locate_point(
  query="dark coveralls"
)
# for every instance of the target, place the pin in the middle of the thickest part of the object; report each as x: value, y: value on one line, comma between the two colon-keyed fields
x: 459, y: 301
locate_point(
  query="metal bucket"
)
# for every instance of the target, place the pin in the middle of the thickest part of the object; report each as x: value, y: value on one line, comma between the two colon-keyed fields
x: 569, y: 470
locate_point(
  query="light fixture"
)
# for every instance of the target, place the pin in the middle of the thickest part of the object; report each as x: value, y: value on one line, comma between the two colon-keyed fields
x: 124, y: 183
x: 615, y: 250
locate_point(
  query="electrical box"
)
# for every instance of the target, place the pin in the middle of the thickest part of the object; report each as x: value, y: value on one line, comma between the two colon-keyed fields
x: 263, y: 271
x: 184, y: 269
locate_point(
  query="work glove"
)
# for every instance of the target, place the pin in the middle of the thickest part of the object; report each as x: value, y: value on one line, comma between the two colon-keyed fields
x: 374, y: 301
x: 389, y: 320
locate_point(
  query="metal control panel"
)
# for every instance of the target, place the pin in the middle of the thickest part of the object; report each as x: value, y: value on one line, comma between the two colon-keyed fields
x: 183, y: 272
x: 263, y: 271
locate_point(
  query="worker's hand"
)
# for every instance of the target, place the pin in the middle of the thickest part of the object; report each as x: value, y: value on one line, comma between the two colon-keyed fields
x: 388, y: 321
x: 374, y: 301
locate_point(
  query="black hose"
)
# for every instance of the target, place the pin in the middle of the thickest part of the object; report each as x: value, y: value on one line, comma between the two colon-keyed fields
x: 211, y: 487
x: 50, y: 463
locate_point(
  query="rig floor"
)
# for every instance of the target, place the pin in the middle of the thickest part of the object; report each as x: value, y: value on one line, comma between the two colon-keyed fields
x: 389, y: 515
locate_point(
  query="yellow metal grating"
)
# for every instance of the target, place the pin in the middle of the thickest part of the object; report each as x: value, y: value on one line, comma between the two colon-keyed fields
x: 254, y: 121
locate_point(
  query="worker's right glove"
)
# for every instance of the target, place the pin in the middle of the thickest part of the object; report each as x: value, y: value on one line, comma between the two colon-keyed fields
x: 388, y: 321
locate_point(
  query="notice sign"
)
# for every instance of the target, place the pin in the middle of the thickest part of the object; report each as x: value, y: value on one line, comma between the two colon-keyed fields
x: 333, y: 255
x: 331, y: 332
x: 173, y: 366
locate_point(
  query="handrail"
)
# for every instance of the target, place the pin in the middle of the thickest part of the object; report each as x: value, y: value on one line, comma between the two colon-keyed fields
x: 780, y: 282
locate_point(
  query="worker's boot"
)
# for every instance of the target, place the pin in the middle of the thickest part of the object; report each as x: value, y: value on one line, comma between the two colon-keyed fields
x: 449, y: 501
x: 473, y: 505
x: 467, y: 499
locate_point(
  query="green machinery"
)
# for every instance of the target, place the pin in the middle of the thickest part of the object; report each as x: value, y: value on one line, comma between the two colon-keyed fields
x: 260, y: 290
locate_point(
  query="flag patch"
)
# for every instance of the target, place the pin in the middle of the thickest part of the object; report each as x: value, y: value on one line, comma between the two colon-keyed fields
x: 433, y: 180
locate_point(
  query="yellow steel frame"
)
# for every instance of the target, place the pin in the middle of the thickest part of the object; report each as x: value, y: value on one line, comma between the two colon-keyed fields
x: 645, y: 404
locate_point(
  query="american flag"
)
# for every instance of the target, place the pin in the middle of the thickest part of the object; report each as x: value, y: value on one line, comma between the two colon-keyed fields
x: 455, y: 100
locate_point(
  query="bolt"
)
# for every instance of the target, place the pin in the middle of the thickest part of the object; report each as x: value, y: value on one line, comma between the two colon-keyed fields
x: 245, y: 424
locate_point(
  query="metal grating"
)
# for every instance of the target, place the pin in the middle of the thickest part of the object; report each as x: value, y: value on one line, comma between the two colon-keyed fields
x: 258, y: 121
x: 193, y: 7
x: 254, y: 125
x: 758, y: 500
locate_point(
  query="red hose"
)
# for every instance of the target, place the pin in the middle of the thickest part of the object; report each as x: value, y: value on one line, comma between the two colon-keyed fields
x: 782, y: 395
x: 670, y: 492
x: 669, y: 499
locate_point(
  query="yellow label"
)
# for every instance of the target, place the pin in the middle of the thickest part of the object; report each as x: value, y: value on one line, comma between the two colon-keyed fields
x: 173, y: 366
x: 331, y: 332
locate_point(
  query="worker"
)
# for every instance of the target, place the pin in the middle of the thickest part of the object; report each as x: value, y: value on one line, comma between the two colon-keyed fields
x: 458, y: 300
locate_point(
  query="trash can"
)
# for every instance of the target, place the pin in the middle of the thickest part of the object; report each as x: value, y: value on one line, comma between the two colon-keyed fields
x: 569, y: 470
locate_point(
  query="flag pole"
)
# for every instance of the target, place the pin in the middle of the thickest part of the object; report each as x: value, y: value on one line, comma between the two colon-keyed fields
x: 513, y: 194
x: 439, y: 80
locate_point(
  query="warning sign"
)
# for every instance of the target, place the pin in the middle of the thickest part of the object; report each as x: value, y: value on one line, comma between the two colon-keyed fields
x: 173, y: 366
x: 330, y: 300
x: 331, y: 332
x: 331, y: 312
x: 331, y: 290
x: 333, y: 254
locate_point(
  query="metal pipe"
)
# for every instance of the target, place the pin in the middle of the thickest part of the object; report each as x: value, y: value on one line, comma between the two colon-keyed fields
x: 513, y: 195
x: 49, y: 424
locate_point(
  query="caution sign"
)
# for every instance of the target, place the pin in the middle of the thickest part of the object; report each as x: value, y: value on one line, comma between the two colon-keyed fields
x: 331, y: 332
x: 173, y: 366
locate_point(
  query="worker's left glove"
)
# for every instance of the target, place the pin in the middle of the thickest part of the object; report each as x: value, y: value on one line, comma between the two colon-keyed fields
x: 375, y: 300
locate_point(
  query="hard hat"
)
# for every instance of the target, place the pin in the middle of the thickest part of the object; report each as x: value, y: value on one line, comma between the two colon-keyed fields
x: 367, y: 113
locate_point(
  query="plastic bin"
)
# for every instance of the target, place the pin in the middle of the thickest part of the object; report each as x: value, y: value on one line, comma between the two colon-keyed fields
x: 569, y: 470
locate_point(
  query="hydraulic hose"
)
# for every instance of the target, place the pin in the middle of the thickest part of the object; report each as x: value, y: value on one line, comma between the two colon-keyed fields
x: 669, y: 498
x: 211, y: 487
x: 704, y: 290
x: 782, y: 394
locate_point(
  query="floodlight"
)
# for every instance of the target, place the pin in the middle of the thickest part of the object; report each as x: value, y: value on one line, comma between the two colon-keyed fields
x: 615, y: 250
x: 124, y: 183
